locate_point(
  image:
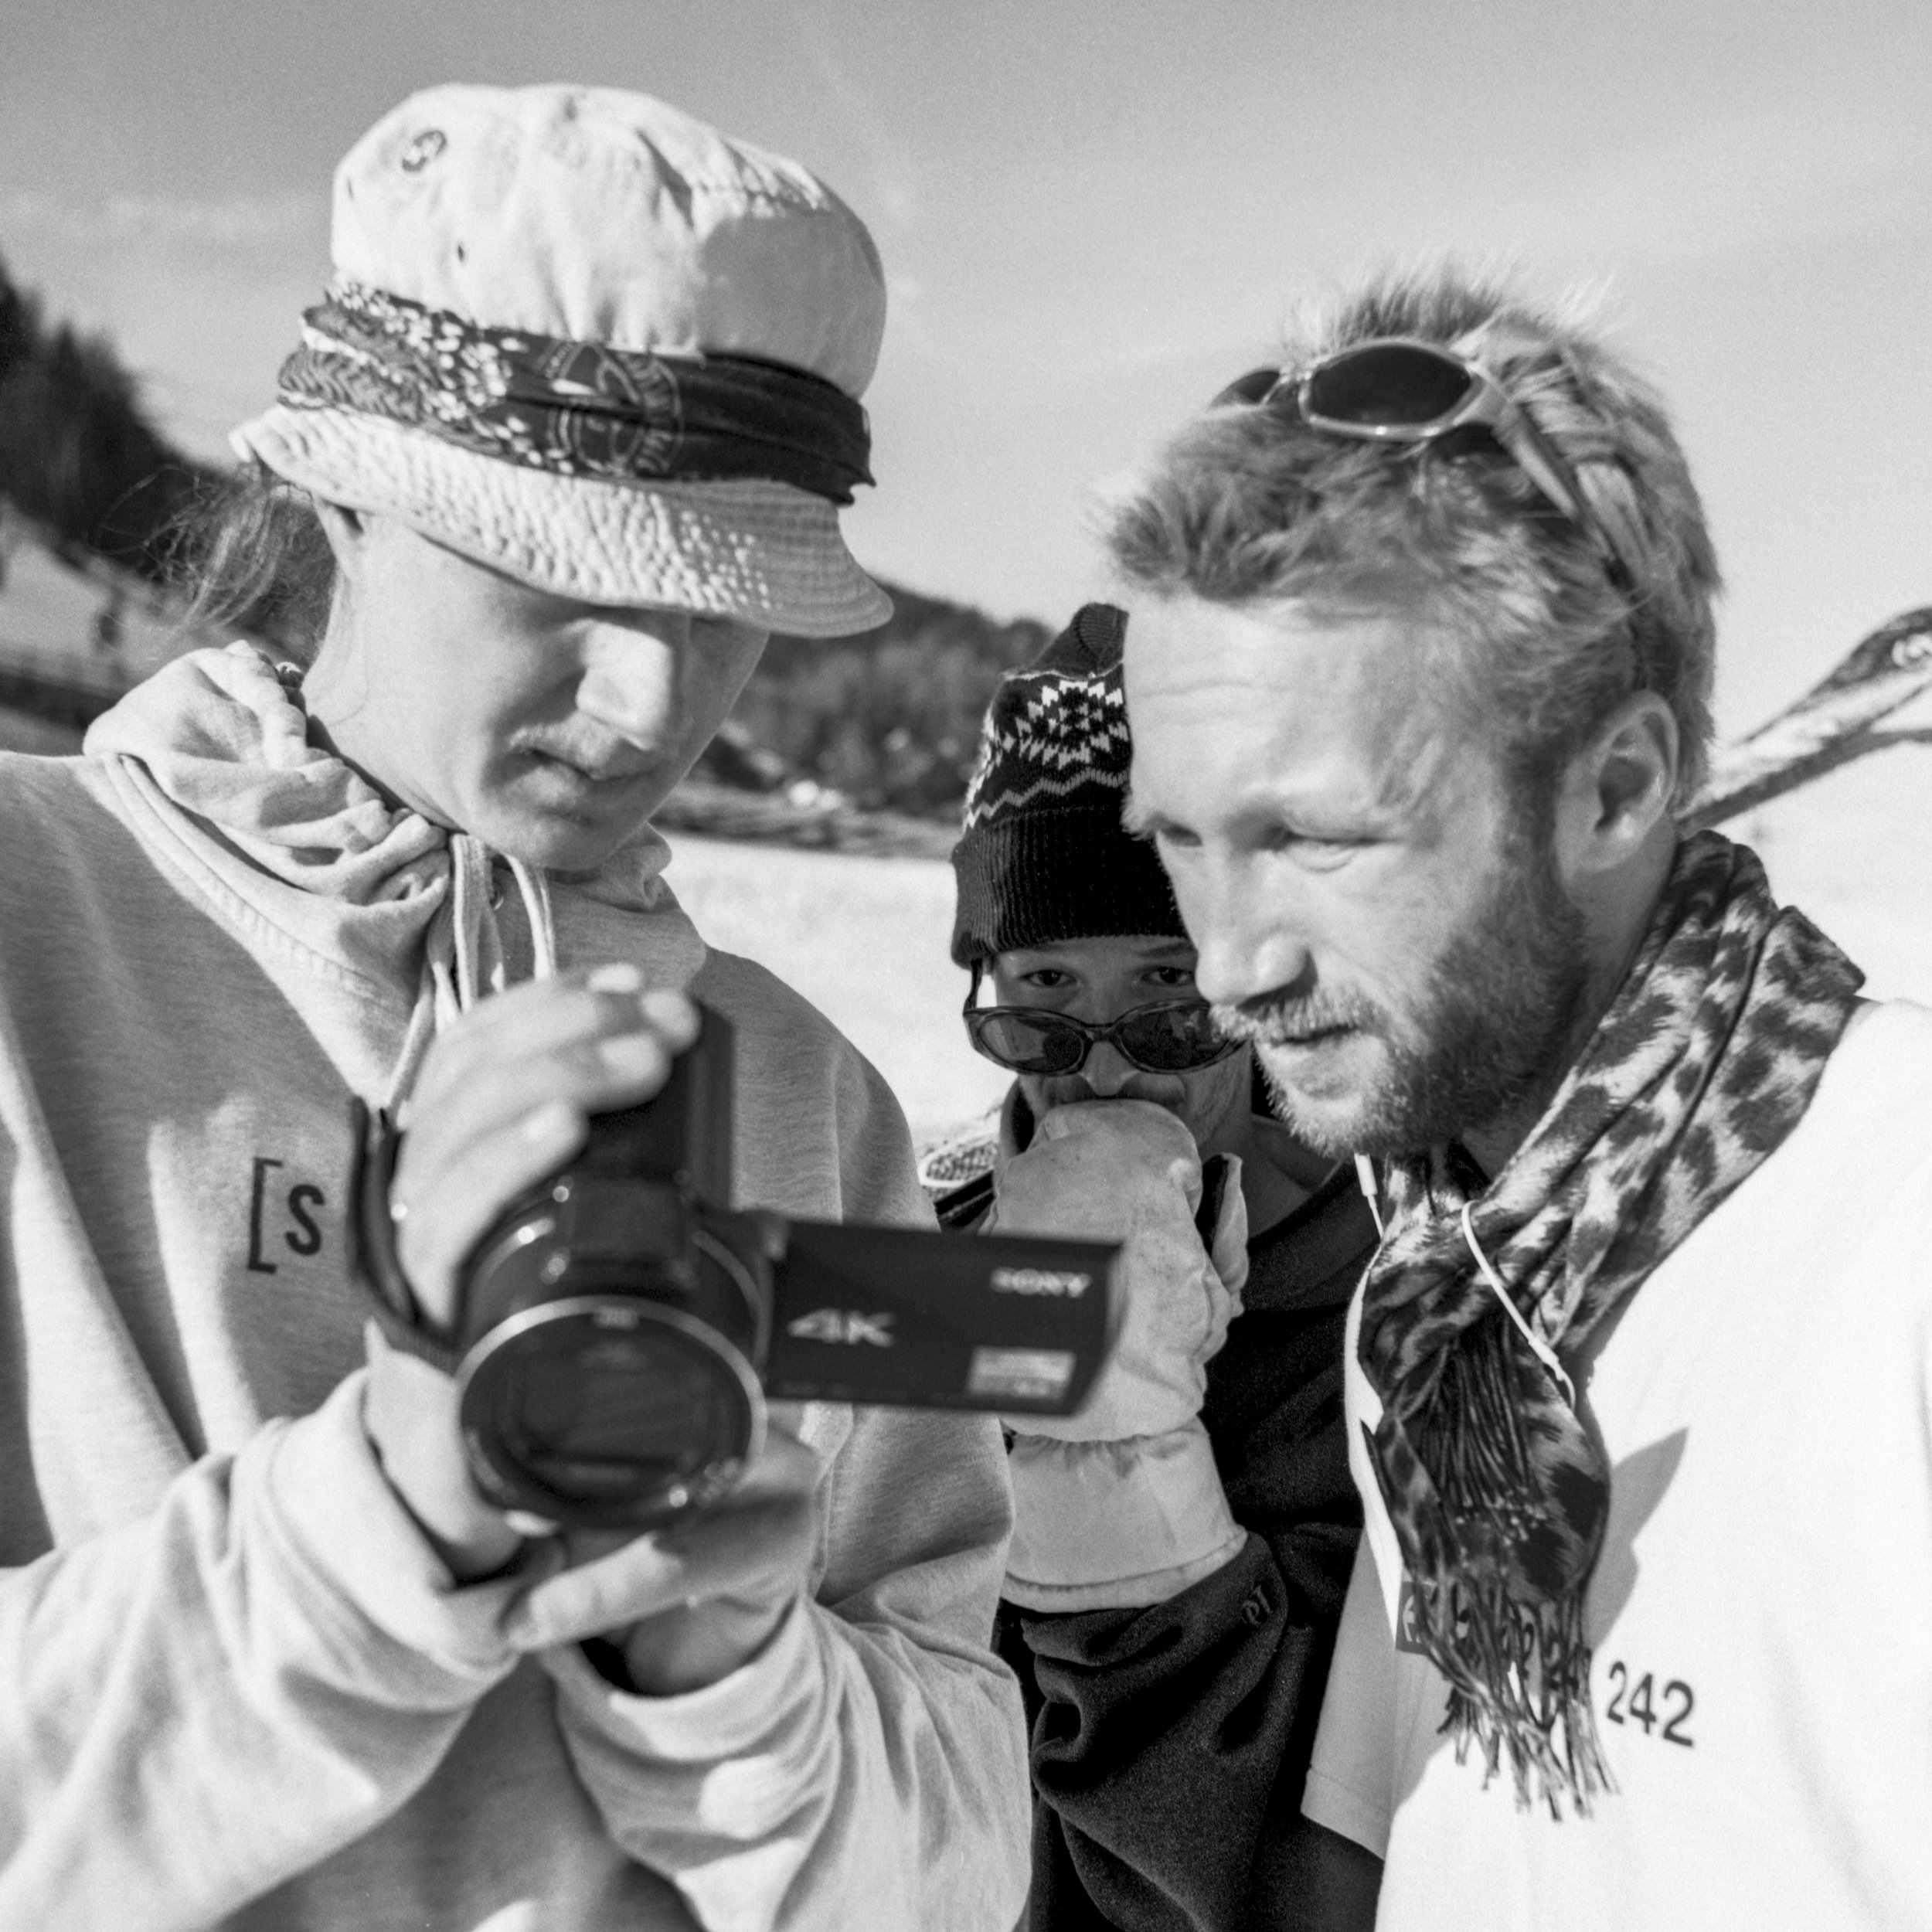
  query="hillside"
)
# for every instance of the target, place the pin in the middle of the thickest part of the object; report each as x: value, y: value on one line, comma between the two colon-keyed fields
x: 889, y: 720
x: 78, y: 455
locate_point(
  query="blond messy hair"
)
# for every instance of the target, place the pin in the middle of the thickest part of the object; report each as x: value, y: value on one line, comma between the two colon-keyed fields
x: 1254, y: 506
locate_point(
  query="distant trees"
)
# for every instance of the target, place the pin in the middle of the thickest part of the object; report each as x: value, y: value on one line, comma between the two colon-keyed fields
x: 77, y: 453
x: 890, y: 717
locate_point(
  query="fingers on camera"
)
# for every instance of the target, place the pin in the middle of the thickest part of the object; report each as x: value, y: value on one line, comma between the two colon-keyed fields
x: 444, y: 1223
x: 758, y: 1545
x: 755, y: 1552
x: 505, y: 1101
x: 602, y: 1062
x: 512, y: 1028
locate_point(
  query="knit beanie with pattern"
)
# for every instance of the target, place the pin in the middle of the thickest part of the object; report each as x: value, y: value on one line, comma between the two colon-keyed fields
x: 1043, y: 857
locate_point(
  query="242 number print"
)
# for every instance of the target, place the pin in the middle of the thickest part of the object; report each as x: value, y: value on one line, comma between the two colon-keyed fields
x: 1637, y: 1704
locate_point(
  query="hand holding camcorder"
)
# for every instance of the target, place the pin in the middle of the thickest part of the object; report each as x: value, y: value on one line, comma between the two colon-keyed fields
x: 619, y: 1326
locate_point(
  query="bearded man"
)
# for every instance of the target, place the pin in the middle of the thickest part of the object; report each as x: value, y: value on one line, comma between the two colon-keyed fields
x: 1419, y: 668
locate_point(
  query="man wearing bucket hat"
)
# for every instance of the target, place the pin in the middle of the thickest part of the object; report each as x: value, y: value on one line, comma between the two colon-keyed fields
x: 1181, y: 1546
x: 566, y: 439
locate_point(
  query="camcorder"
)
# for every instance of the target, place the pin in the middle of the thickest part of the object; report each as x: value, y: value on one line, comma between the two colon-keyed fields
x: 621, y: 1327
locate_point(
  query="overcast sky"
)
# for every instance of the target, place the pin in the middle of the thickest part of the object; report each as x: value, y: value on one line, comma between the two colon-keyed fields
x: 1095, y: 212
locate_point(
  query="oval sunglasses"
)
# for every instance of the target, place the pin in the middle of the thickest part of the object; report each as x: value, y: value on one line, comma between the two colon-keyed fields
x: 1398, y: 389
x: 1166, y: 1036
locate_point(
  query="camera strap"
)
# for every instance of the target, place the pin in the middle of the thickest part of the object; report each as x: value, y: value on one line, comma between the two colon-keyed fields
x: 372, y: 1259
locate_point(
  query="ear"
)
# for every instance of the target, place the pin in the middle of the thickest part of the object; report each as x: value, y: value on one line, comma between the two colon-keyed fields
x: 1615, y: 802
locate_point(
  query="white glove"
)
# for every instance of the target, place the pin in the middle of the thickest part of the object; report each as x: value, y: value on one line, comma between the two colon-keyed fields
x: 1121, y: 1504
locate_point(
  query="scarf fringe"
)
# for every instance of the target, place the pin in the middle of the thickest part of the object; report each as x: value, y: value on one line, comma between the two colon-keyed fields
x: 1509, y: 1642
x: 1519, y: 1687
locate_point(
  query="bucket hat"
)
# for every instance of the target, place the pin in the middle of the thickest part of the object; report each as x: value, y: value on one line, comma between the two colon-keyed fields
x: 577, y: 334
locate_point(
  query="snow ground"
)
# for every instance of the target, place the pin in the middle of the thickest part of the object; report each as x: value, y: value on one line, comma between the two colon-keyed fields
x: 865, y: 939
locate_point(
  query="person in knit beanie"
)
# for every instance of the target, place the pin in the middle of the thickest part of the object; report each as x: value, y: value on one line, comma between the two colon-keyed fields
x: 1181, y: 1547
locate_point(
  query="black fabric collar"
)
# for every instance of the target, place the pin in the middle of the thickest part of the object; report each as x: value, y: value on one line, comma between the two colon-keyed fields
x: 1314, y: 1257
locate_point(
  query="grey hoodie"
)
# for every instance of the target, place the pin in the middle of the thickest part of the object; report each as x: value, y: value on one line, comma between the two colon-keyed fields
x: 236, y: 1687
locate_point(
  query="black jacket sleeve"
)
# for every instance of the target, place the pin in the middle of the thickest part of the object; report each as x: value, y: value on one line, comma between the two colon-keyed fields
x: 1170, y: 1743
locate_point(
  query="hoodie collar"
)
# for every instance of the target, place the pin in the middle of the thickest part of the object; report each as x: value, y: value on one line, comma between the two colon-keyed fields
x: 212, y: 758
x: 224, y: 736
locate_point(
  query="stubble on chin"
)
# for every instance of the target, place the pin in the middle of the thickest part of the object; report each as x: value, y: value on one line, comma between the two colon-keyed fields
x: 1333, y: 1127
x: 1486, y: 1042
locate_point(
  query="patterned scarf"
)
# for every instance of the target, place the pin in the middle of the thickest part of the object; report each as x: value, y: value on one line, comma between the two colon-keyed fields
x: 576, y: 408
x: 1498, y: 1495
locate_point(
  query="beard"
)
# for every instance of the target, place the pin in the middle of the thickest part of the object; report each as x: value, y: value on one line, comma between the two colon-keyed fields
x: 1491, y: 1035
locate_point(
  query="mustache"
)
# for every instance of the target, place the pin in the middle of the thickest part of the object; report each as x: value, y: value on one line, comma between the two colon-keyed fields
x: 1282, y: 1021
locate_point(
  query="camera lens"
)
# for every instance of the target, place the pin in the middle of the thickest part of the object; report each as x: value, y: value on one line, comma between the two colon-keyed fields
x: 598, y: 1410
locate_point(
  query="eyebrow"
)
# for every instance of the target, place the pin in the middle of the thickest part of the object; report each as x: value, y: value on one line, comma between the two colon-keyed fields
x: 1319, y: 818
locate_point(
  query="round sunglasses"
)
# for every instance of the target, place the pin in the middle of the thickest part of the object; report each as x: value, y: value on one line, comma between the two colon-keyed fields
x: 1168, y: 1037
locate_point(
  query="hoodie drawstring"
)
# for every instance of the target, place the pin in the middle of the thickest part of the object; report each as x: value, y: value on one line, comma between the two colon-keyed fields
x: 463, y: 953
x: 536, y: 888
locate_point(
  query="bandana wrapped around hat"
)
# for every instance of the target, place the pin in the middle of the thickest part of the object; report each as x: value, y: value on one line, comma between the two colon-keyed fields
x: 576, y: 408
x: 1498, y: 1490
x: 1043, y: 857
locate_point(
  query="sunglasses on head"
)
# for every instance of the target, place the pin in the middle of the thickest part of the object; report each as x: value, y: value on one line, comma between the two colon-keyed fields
x: 1170, y: 1036
x: 1396, y: 390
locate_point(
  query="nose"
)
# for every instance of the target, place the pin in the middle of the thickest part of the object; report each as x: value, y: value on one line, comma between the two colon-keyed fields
x: 1106, y: 1070
x: 1249, y: 941
x: 631, y: 679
